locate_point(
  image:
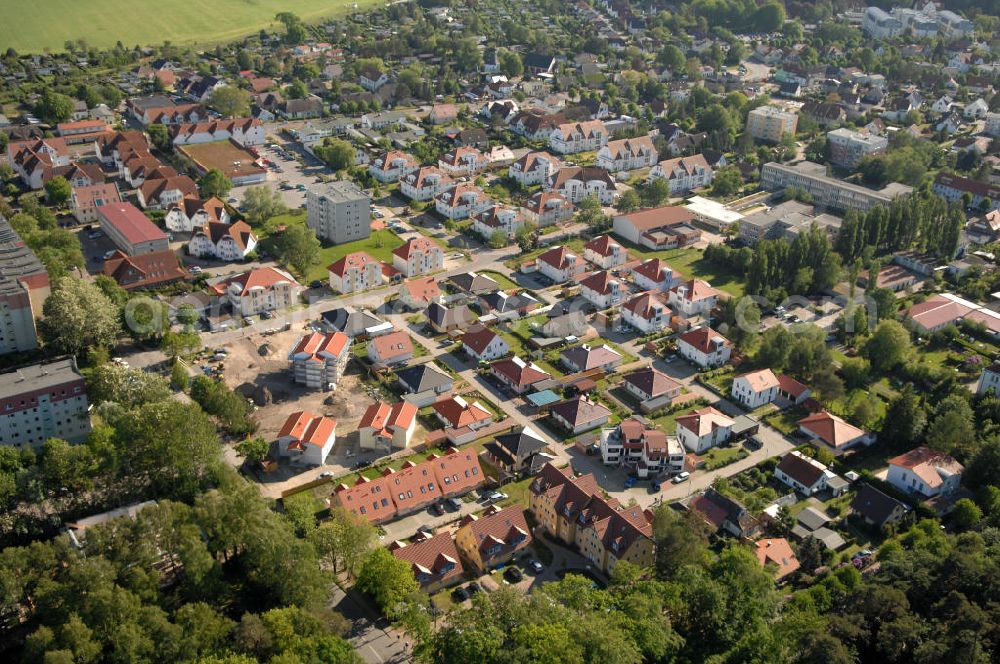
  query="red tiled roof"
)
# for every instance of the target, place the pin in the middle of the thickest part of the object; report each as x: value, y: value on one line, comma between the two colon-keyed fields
x: 434, y: 558
x: 777, y: 552
x: 478, y: 337
x: 424, y: 289
x: 831, y: 429
x: 668, y: 215
x: 392, y: 345
x: 703, y: 421
x: 603, y: 245
x: 459, y: 413
x: 701, y: 338
x: 262, y: 277
x: 131, y: 222
x: 414, y: 244
x: 308, y: 428
x: 519, y: 372
x: 357, y: 259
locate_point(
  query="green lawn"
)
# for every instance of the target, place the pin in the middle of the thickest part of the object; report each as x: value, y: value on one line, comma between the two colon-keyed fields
x: 380, y: 245
x: 503, y: 280
x: 690, y: 263
x: 717, y: 457
x: 34, y: 27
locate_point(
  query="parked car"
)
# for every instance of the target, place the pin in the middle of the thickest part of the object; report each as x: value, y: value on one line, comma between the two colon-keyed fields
x: 497, y: 496
x: 325, y: 474
x: 460, y: 594
x: 316, y: 283
x: 455, y: 503
x: 535, y: 566
x: 513, y: 574
x: 436, y: 509
x: 474, y: 588
x: 630, y: 482
x: 681, y: 477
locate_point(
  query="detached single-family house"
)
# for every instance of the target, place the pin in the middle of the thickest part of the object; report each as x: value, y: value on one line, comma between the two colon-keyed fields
x: 483, y: 344
x: 517, y: 374
x: 420, y: 293
x: 755, y: 389
x: 579, y: 414
x: 388, y: 427
x: 703, y: 429
x: 804, y: 474
x: 605, y: 252
x: 517, y: 452
x: 390, y: 349
x: 925, y: 472
x: 725, y: 514
x: 602, y: 289
x: 831, y: 431
x: 424, y: 383
x: 704, y: 347
x: 653, y: 388
x: 457, y: 413
x: 776, y: 553
x: 464, y: 161
x: 444, y: 319
x: 693, y: 298
x: 647, y: 312
x: 560, y: 264
x: 546, y: 208
x: 654, y: 275
x: 586, y: 357
x: 307, y: 438
x: 878, y: 510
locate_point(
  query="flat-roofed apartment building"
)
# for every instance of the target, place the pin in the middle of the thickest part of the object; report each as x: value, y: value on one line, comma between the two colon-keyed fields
x: 828, y: 191
x: 849, y: 147
x: 339, y: 212
x: 24, y: 285
x: 42, y: 401
x: 770, y: 123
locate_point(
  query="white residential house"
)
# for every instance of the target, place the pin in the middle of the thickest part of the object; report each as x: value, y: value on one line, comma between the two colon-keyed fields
x: 546, y: 208
x: 602, y: 289
x: 390, y: 349
x: 506, y: 220
x: 464, y: 161
x: 989, y: 379
x: 425, y: 183
x: 975, y: 110
x: 574, y: 137
x: 755, y: 389
x: 356, y: 272
x: 804, y: 474
x: 693, y: 298
x: 943, y: 104
x: 605, y: 252
x: 577, y: 182
x: 683, y: 174
x: 560, y: 264
x: 388, y: 427
x: 533, y: 168
x: 704, y: 347
x: 483, y: 344
x: 242, y: 131
x: 647, y: 312
x: 392, y: 166
x: 925, y: 472
x: 418, y: 255
x: 372, y: 79
x: 627, y: 154
x: 259, y: 290
x: 653, y: 274
x: 192, y: 213
x: 703, y: 429
x: 225, y: 242
x: 462, y: 201
x: 307, y: 438
x: 649, y: 451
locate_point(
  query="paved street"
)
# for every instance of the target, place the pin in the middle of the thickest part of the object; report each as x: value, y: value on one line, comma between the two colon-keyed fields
x: 373, y: 638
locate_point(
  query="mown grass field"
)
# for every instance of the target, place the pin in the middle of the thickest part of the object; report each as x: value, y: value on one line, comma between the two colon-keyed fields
x: 31, y: 27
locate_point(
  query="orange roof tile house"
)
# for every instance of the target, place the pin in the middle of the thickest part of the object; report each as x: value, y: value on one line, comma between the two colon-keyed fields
x: 307, y: 438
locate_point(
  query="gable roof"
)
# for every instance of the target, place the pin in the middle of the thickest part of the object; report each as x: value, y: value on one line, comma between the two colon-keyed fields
x: 519, y: 372
x: 695, y: 290
x: 654, y: 269
x: 392, y: 345
x: 704, y: 421
x: 308, y: 428
x: 875, y: 505
x: 477, y: 338
x: 667, y: 215
x: 432, y: 558
x: 760, y: 380
x: 802, y: 469
x: 521, y: 444
x: 421, y: 377
x: 460, y: 413
x: 261, y: 277
x: 318, y: 346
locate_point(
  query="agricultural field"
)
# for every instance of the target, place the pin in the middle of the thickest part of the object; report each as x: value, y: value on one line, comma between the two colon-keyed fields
x: 33, y: 27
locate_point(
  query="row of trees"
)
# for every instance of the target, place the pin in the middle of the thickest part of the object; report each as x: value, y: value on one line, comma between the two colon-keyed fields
x: 921, y: 221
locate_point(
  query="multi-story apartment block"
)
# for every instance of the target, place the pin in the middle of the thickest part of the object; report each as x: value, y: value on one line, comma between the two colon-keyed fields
x: 242, y: 131
x: 848, y: 147
x: 339, y: 212
x: 576, y: 183
x: 506, y: 220
x: 24, y: 286
x: 419, y: 255
x: 880, y: 25
x: 533, y: 168
x: 627, y: 154
x: 262, y: 289
x: 225, y: 242
x: 42, y: 401
x: 546, y: 208
x: 463, y: 161
x: 683, y: 173
x: 648, y: 451
x: 573, y: 137
x: 770, y: 123
x: 954, y: 187
x: 425, y: 183
x: 358, y: 271
x: 828, y: 191
x: 318, y: 359
x: 572, y: 510
x: 392, y: 165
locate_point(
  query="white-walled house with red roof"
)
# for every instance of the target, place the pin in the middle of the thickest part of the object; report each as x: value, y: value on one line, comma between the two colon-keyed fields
x: 560, y: 264
x: 830, y: 431
x: 703, y: 429
x: 389, y: 349
x: 307, y: 438
x: 605, y: 252
x: 417, y: 256
x: 653, y: 274
x: 318, y: 359
x: 602, y: 289
x: 358, y: 271
x: 388, y: 427
x: 694, y: 297
x: 704, y: 347
x: 483, y: 344
x: 755, y: 389
x: 647, y: 312
x: 261, y: 289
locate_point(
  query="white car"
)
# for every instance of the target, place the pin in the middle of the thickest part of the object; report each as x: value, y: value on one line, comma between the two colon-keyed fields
x: 680, y: 477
